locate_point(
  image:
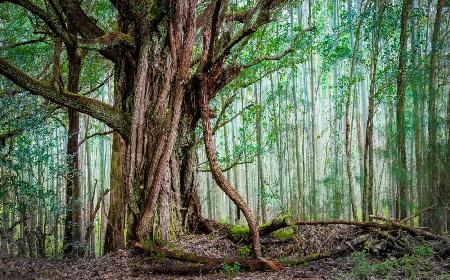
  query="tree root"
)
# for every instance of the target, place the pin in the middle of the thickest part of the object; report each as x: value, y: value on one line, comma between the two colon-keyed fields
x: 209, y: 263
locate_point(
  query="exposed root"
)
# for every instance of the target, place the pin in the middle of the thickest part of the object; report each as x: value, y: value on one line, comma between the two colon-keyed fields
x: 211, y: 263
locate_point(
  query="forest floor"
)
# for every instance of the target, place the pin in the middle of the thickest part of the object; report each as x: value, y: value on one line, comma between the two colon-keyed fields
x: 376, y: 258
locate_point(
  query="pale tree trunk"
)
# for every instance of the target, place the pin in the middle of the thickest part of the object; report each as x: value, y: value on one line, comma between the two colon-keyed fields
x: 228, y: 172
x: 347, y: 121
x: 90, y: 239
x: 447, y: 167
x: 236, y: 174
x: 261, y: 180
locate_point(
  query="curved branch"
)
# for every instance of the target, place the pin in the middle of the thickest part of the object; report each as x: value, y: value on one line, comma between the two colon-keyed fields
x: 97, y: 109
x: 220, y: 179
x: 101, y: 133
x: 264, y: 9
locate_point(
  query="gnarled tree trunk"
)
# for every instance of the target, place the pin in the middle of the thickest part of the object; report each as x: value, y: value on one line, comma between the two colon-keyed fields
x: 158, y: 162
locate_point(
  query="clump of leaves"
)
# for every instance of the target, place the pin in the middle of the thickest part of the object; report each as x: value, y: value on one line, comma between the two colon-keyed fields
x: 284, y: 233
x: 423, y: 251
x: 231, y: 269
x: 362, y: 268
x: 159, y: 256
x: 411, y: 265
x: 244, y: 251
x: 239, y: 231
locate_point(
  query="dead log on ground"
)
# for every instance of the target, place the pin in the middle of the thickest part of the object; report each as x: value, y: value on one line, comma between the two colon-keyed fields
x: 260, y: 264
x: 385, y: 226
x: 344, y: 248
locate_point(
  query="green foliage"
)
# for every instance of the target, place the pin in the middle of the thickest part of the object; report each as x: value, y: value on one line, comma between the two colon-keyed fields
x: 423, y: 250
x: 409, y: 265
x: 244, y: 251
x: 362, y: 267
x: 284, y: 233
x: 159, y: 256
x: 238, y: 231
x: 231, y: 269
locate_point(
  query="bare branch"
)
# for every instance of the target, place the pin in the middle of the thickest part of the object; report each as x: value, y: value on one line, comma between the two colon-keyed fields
x: 281, y: 55
x: 101, y: 133
x: 94, y: 89
x: 29, y: 42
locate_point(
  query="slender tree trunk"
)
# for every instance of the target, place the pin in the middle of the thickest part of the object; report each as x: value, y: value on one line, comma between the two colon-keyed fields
x: 433, y: 190
x: 368, y: 150
x: 348, y: 127
x: 217, y: 173
x: 447, y: 167
x: 261, y: 175
x: 236, y: 174
x: 418, y: 112
x: 228, y: 172
x: 72, y: 226
x: 402, y: 181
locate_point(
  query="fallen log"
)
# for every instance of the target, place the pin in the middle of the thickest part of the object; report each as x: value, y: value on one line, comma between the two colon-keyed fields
x: 346, y: 247
x: 185, y: 270
x: 239, y: 233
x: 260, y: 264
x: 385, y: 226
x: 398, y: 243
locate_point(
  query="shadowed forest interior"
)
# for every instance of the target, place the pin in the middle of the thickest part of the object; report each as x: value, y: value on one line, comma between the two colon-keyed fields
x: 318, y: 127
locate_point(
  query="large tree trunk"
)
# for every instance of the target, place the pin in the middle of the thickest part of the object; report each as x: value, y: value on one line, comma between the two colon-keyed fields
x: 158, y: 160
x: 114, y: 235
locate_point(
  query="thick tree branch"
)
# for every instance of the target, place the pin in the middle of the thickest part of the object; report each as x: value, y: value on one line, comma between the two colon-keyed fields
x: 97, y: 109
x: 106, y: 41
x: 94, y: 37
